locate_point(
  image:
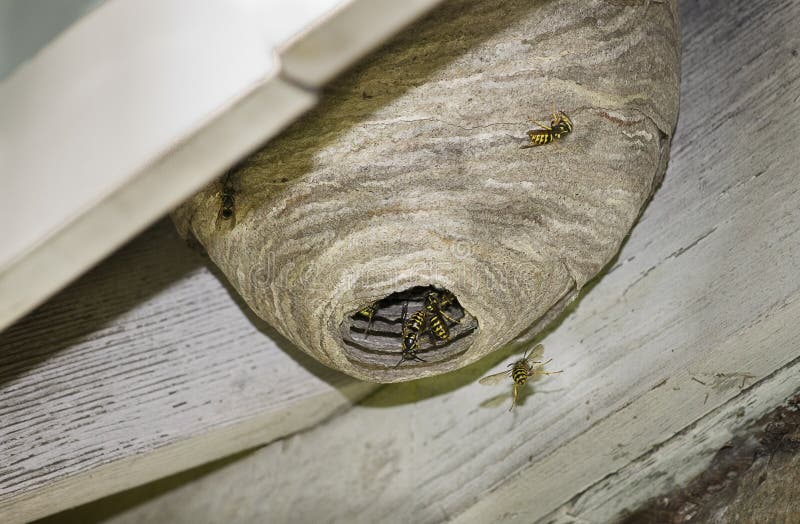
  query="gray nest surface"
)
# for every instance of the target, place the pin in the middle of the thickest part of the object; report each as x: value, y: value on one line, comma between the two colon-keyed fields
x: 410, y: 175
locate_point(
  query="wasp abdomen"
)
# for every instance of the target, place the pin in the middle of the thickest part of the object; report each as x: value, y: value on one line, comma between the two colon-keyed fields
x: 439, y: 328
x: 416, y: 323
x: 411, y: 331
x: 520, y: 373
x: 227, y: 206
x: 539, y: 137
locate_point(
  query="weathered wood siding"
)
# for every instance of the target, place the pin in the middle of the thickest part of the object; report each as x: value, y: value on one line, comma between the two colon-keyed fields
x: 691, y: 333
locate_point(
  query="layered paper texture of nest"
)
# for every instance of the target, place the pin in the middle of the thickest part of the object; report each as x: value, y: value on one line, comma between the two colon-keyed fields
x: 410, y: 173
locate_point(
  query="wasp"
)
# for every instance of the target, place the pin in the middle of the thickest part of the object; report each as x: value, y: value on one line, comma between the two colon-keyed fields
x: 369, y: 312
x: 227, y: 203
x: 435, y: 303
x: 412, y: 329
x: 226, y: 212
x: 560, y: 125
x: 521, y: 371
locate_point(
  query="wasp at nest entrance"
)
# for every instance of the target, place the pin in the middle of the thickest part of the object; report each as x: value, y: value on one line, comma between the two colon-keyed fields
x: 418, y: 326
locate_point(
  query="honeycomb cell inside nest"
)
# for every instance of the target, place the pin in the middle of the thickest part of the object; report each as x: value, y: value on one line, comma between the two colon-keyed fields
x: 376, y: 340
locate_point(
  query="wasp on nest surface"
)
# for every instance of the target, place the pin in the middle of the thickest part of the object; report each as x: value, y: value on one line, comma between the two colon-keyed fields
x: 560, y: 126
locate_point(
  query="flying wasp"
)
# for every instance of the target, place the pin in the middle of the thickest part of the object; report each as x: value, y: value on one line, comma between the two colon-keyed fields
x: 412, y: 329
x: 521, y: 371
x: 560, y: 125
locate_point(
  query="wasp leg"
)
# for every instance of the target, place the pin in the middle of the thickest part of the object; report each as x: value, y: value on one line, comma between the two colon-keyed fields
x: 447, y: 317
x: 403, y: 358
x: 540, y: 369
x: 514, y: 401
x: 537, y: 372
x: 541, y: 364
x: 369, y: 324
x: 540, y: 124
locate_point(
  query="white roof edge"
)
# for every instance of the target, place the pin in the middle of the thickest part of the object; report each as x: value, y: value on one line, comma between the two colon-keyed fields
x: 65, y: 113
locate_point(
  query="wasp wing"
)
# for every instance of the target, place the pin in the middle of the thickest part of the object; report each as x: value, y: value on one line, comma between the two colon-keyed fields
x: 534, y: 354
x: 497, y: 378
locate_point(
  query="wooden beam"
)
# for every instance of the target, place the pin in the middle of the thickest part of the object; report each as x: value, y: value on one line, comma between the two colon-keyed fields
x: 146, y: 366
x: 689, y: 334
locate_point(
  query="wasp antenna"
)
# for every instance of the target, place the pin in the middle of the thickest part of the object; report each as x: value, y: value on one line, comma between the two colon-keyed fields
x: 369, y: 326
x: 540, y: 124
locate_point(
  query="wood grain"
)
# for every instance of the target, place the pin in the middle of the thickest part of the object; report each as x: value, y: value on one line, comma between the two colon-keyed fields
x: 690, y: 333
x: 146, y: 366
x: 752, y: 478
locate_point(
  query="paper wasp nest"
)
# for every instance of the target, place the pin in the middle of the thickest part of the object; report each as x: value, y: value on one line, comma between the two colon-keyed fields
x: 409, y: 176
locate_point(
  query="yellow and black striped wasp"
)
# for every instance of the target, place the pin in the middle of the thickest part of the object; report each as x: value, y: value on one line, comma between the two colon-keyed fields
x: 560, y: 126
x: 430, y: 317
x: 412, y: 329
x: 369, y: 312
x: 435, y: 303
x: 521, y: 371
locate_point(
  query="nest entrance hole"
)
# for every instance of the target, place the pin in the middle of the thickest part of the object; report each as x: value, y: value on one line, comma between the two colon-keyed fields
x: 377, y: 342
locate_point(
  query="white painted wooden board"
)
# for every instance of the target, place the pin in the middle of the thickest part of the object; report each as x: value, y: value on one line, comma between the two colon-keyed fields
x: 146, y: 366
x: 85, y: 122
x: 142, y: 102
x: 691, y: 333
x: 29, y: 26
